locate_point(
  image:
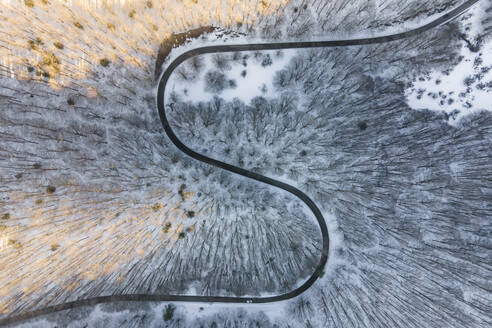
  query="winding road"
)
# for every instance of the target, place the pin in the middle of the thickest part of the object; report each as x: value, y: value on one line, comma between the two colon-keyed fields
x: 237, y: 170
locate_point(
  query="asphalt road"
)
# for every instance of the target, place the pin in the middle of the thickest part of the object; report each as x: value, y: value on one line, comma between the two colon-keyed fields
x: 237, y: 170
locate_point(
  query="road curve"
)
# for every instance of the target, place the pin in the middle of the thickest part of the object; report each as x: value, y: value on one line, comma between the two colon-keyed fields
x: 252, y: 175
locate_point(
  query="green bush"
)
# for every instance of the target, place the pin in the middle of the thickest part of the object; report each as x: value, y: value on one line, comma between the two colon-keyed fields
x: 168, y: 315
x: 78, y: 25
x: 166, y: 228
x: 29, y: 3
x: 58, y: 44
x: 32, y: 44
x: 104, y: 62
x: 49, y: 59
x: 14, y: 243
x: 50, y: 189
x: 181, y: 191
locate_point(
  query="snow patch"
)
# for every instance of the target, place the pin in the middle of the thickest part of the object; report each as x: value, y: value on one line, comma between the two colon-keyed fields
x: 248, y: 76
x: 465, y: 89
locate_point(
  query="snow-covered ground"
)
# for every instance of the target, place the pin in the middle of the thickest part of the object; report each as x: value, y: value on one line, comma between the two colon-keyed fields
x: 243, y: 75
x: 89, y: 181
x: 465, y: 88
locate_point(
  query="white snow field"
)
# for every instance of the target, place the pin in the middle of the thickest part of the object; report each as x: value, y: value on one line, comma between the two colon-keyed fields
x: 465, y: 88
x: 95, y: 200
x: 242, y: 76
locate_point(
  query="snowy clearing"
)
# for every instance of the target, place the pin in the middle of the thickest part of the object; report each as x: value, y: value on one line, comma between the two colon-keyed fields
x: 243, y: 75
x: 466, y: 88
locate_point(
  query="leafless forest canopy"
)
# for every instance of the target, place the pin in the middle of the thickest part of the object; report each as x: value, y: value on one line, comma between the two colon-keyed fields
x: 95, y: 200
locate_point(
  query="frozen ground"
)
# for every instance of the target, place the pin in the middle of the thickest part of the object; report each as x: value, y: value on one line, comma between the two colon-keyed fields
x: 243, y: 75
x: 465, y: 88
x: 90, y: 183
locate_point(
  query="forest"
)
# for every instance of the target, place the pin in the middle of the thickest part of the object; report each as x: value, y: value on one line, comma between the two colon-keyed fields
x: 95, y: 200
